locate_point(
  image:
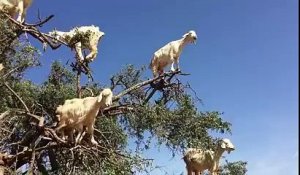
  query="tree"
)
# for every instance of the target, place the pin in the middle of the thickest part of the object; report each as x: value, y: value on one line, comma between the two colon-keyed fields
x: 163, y: 106
x: 234, y: 168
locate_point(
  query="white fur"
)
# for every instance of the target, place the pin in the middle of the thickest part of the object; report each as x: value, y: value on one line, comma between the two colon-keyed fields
x: 90, y: 43
x: 15, y: 8
x: 198, y: 160
x: 3, y: 156
x: 1, y: 66
x: 75, y: 114
x: 170, y: 53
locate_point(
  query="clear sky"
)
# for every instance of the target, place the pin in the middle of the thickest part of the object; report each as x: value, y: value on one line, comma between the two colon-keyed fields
x: 244, y: 64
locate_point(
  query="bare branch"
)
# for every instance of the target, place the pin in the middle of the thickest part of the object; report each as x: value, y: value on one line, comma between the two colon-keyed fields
x: 10, y: 72
x: 116, y: 110
x: 82, y: 68
x: 32, y: 162
x: 150, y: 95
x: 38, y: 118
x: 144, y: 83
x: 4, y: 114
x: 53, y: 134
x: 34, y: 32
x: 8, y: 87
x: 195, y: 93
x: 88, y: 89
x: 40, y: 23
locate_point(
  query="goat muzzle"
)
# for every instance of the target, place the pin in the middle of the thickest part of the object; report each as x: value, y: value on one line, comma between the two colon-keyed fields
x: 230, y: 149
x: 194, y: 40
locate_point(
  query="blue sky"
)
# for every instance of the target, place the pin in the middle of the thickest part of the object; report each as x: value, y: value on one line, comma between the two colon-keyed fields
x: 245, y: 64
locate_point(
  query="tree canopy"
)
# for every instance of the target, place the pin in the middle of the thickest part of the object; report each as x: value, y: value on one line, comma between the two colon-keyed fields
x: 162, y: 110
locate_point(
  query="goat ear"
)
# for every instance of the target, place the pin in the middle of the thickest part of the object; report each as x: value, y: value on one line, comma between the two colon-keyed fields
x: 185, y: 35
x: 99, y: 97
x: 223, y: 145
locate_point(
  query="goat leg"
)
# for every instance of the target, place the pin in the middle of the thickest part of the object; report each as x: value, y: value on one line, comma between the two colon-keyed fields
x: 79, y: 52
x: 93, y: 53
x: 90, y: 130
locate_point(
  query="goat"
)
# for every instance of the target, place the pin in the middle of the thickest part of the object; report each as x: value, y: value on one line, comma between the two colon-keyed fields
x: 198, y: 160
x: 15, y: 8
x: 84, y: 37
x: 170, y: 53
x: 75, y: 114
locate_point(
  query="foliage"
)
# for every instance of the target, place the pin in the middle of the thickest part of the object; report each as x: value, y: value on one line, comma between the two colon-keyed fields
x: 234, y: 168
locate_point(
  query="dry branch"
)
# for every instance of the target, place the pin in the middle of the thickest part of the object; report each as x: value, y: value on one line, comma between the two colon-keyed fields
x: 39, y: 23
x: 144, y: 83
x: 4, y: 114
x: 34, y: 32
x: 19, y: 98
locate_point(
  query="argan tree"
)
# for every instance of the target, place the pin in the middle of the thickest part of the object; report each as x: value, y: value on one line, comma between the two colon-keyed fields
x: 163, y: 108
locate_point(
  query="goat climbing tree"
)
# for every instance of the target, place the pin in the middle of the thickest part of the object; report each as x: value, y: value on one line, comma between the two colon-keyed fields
x: 164, y: 107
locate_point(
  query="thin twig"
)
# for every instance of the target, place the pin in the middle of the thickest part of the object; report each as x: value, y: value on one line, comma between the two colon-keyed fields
x: 150, y: 95
x: 88, y: 89
x: 38, y: 118
x: 195, y: 93
x: 26, y: 108
x: 10, y: 72
x: 32, y: 161
x: 39, y: 23
x: 4, y: 114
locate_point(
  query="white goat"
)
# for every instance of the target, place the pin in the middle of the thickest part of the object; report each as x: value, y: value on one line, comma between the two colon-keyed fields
x: 15, y: 8
x: 84, y: 37
x: 198, y: 160
x: 75, y: 114
x: 170, y: 53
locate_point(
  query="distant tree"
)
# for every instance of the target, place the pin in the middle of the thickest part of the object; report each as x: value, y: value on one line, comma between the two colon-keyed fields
x: 163, y: 107
x: 234, y: 168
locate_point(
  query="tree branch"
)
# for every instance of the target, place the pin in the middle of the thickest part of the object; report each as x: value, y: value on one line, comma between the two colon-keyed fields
x: 4, y: 114
x: 34, y: 32
x: 39, y: 23
x: 144, y: 83
x: 8, y: 87
x: 32, y: 162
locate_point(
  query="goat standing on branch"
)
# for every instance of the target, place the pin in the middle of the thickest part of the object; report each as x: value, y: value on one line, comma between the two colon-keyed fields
x: 198, y: 160
x: 15, y: 8
x: 75, y: 114
x: 170, y: 53
x: 84, y: 37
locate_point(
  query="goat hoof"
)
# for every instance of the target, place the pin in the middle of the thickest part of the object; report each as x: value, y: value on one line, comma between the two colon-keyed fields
x: 94, y: 142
